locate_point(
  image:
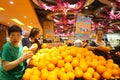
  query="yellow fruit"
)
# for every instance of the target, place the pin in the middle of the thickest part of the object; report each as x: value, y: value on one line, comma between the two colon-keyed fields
x: 26, y: 76
x: 68, y: 67
x: 35, y: 77
x: 50, y: 66
x: 78, y: 73
x: 25, y: 49
x: 68, y: 58
x: 96, y: 75
x: 71, y: 75
x: 100, y: 69
x: 35, y: 45
x: 75, y: 62
x: 44, y: 45
x: 60, y: 63
x: 115, y: 72
x: 64, y: 54
x: 107, y: 75
x: 64, y: 77
x: 87, y: 76
x: 28, y: 70
x: 83, y: 66
x: 44, y: 75
x: 41, y: 65
x: 54, y: 60
x: 91, y: 70
x: 52, y: 76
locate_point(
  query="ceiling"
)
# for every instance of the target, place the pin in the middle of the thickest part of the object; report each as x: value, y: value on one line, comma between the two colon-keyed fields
x: 31, y: 15
x: 92, y: 8
x: 21, y: 10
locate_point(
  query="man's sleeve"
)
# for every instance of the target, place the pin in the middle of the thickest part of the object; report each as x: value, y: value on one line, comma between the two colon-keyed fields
x: 5, y: 54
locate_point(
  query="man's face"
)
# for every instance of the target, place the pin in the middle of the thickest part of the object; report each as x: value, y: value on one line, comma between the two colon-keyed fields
x: 15, y: 37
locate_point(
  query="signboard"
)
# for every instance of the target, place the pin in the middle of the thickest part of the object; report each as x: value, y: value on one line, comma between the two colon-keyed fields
x: 83, y: 27
x: 48, y: 30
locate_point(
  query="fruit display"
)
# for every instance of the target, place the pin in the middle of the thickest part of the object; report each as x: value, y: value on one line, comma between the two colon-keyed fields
x: 69, y: 63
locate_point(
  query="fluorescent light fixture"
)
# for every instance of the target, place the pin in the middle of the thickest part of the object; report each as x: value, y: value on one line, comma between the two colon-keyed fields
x: 25, y: 16
x: 17, y: 21
x: 11, y: 2
x: 2, y: 9
x: 30, y: 27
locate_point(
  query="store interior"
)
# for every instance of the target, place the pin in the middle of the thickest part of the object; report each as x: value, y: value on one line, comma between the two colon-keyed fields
x: 54, y: 23
x: 61, y: 23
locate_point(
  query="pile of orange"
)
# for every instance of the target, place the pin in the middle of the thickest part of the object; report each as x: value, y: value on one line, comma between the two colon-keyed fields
x: 66, y: 63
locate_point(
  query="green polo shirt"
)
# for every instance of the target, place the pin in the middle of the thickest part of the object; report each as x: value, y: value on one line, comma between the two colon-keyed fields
x: 11, y: 53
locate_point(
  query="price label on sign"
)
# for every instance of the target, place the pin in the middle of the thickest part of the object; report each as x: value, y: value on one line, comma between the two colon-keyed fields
x: 83, y: 27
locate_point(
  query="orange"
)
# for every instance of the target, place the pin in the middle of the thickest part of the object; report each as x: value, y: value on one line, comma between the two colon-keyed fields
x: 107, y: 75
x: 52, y: 76
x: 25, y: 49
x: 91, y: 70
x: 59, y: 57
x: 71, y: 75
x: 74, y: 52
x: 26, y: 76
x: 60, y: 63
x: 102, y: 62
x: 35, y: 71
x: 44, y: 70
x: 60, y: 73
x: 75, y: 62
x: 96, y: 75
x: 110, y: 60
x: 50, y: 66
x: 35, y: 45
x: 44, y: 45
x: 35, y: 77
x: 83, y: 66
x: 79, y: 56
x: 100, y: 69
x: 44, y: 75
x: 109, y: 65
x: 115, y: 72
x: 56, y: 70
x: 28, y: 70
x: 64, y: 54
x: 78, y: 72
x: 53, y: 60
x: 64, y: 76
x: 94, y: 63
x: 31, y: 63
x: 41, y: 65
x: 68, y: 58
x: 116, y: 66
x: 68, y: 67
x: 101, y: 58
x: 87, y: 76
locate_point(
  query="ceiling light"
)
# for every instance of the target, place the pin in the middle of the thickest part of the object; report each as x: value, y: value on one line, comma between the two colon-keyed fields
x: 11, y: 2
x: 30, y: 27
x: 111, y: 3
x: 25, y: 16
x: 17, y: 21
x: 86, y: 7
x: 101, y: 8
x: 8, y: 23
x: 2, y: 9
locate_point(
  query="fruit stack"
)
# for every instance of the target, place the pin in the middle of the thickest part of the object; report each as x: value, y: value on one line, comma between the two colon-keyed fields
x: 68, y: 63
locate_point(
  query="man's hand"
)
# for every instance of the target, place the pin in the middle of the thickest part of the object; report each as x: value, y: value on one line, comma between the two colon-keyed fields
x: 27, y: 55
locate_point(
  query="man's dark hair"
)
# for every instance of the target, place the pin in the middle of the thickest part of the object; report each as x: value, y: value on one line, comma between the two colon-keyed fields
x: 34, y: 32
x: 14, y: 28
